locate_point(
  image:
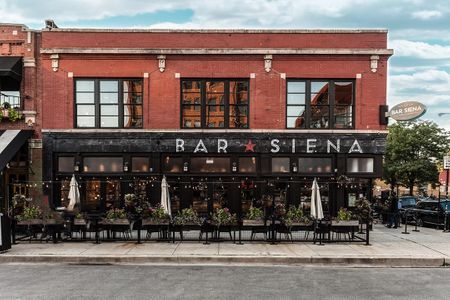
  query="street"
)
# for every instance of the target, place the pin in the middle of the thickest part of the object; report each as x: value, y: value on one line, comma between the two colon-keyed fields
x: 18, y: 281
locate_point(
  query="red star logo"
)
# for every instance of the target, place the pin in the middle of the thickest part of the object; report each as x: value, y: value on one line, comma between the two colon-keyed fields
x: 250, y: 147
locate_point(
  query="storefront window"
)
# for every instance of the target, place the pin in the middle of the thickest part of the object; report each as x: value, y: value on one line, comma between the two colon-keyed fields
x: 112, y: 197
x: 102, y: 164
x: 173, y: 164
x: 360, y: 165
x: 140, y: 164
x: 210, y: 164
x: 66, y: 164
x: 314, y: 165
x: 65, y: 188
x: 92, y: 196
x: 280, y: 165
x: 305, y: 196
x: 247, y: 164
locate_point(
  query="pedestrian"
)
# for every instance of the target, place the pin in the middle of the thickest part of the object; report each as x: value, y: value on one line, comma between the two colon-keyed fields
x: 393, y: 211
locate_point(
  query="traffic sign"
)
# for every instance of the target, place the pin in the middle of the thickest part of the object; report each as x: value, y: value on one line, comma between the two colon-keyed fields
x: 446, y: 162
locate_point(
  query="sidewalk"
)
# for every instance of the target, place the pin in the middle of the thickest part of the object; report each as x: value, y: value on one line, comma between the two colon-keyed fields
x: 389, y: 247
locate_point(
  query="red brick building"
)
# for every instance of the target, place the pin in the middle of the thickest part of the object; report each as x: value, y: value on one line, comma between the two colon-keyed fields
x: 231, y: 117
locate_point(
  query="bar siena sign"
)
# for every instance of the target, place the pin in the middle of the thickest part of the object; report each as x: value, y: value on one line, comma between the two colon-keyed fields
x: 407, y: 111
x: 271, y: 146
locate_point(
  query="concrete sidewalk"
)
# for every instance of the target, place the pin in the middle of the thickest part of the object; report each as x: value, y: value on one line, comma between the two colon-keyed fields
x: 389, y: 247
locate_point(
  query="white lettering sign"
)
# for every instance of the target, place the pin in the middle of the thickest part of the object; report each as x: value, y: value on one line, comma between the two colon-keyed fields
x: 310, y: 145
x: 201, y: 147
x: 274, y: 144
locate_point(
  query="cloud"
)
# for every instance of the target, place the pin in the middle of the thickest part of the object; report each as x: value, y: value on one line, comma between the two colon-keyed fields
x: 426, y: 15
x: 420, y: 49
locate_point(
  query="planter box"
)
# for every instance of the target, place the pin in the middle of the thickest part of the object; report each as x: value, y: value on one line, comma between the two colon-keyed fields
x: 253, y: 222
x: 345, y: 223
x: 154, y: 222
x: 31, y: 222
x: 80, y: 222
x: 115, y: 222
x: 53, y: 222
x: 300, y: 224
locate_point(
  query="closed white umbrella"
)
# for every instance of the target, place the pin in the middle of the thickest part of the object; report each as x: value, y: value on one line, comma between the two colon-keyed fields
x: 316, y: 202
x: 165, y: 197
x: 74, y: 194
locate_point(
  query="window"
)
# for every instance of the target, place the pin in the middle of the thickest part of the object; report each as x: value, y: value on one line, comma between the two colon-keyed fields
x: 173, y: 164
x: 66, y: 164
x: 247, y: 164
x: 319, y: 104
x: 214, y: 103
x: 102, y: 164
x: 280, y: 165
x: 140, y: 164
x: 359, y: 165
x: 314, y: 165
x: 108, y: 103
x: 210, y: 164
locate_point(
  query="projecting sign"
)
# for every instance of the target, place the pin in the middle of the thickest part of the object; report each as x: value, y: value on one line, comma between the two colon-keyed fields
x: 446, y: 162
x: 407, y: 111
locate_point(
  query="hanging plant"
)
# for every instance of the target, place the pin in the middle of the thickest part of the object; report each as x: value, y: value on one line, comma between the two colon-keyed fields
x: 13, y: 114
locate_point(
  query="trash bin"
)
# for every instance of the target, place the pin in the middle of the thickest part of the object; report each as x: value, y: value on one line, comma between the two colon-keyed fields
x: 5, y: 233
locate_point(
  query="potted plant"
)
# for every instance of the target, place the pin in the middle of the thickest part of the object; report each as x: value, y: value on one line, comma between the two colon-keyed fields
x: 13, y: 114
x: 295, y: 217
x: 116, y: 216
x: 223, y: 217
x: 155, y: 216
x: 345, y: 218
x: 363, y: 211
x: 254, y: 217
x: 31, y: 215
x: 187, y: 216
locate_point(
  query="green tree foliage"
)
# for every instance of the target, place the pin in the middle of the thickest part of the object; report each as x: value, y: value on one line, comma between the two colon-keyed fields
x: 413, y: 153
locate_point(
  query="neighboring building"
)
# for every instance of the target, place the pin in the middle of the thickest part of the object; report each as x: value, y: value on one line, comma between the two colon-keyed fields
x: 20, y: 135
x: 229, y: 116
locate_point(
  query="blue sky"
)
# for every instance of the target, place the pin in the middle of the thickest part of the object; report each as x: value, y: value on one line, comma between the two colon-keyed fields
x: 419, y: 30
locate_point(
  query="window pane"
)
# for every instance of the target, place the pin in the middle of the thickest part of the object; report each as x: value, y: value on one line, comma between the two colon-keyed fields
x: 109, y: 110
x: 296, y: 87
x: 294, y: 111
x: 280, y: 165
x: 296, y: 99
x: 343, y: 117
x: 238, y: 87
x: 66, y: 163
x: 190, y: 86
x: 85, y: 85
x: 238, y: 110
x: 360, y: 165
x: 85, y: 121
x: 85, y: 98
x: 86, y: 110
x: 134, y: 86
x: 319, y: 87
x: 140, y: 164
x: 240, y: 98
x: 132, y: 98
x: 215, y: 87
x: 173, y: 164
x: 191, y: 98
x: 319, y: 117
x: 109, y: 121
x: 132, y: 110
x: 344, y: 93
x: 210, y: 164
x: 109, y: 86
x: 319, y: 99
x: 247, y: 164
x: 109, y: 98
x: 103, y: 164
x: 314, y: 165
x: 132, y: 122
x: 238, y: 122
x: 295, y: 122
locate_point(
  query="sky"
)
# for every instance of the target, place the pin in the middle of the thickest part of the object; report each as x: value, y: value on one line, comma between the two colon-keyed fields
x: 419, y: 30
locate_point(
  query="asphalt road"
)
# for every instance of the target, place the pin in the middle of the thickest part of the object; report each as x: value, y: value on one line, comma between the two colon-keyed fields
x: 220, y: 282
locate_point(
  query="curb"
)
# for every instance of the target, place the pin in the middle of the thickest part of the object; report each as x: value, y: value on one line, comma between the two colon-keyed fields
x: 415, y: 262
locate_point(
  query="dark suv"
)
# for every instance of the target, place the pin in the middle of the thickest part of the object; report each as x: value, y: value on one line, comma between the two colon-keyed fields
x: 430, y: 212
x: 406, y: 202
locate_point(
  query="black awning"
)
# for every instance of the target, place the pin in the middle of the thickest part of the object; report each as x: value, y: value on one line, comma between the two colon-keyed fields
x: 10, y: 142
x: 10, y: 73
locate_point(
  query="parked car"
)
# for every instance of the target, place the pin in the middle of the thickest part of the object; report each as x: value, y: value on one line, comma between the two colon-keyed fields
x: 405, y: 203
x: 432, y: 212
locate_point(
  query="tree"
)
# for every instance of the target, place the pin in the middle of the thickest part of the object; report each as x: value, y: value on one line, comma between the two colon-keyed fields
x: 413, y: 152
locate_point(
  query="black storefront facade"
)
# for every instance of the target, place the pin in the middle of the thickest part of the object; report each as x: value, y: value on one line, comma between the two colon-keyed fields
x: 211, y: 169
